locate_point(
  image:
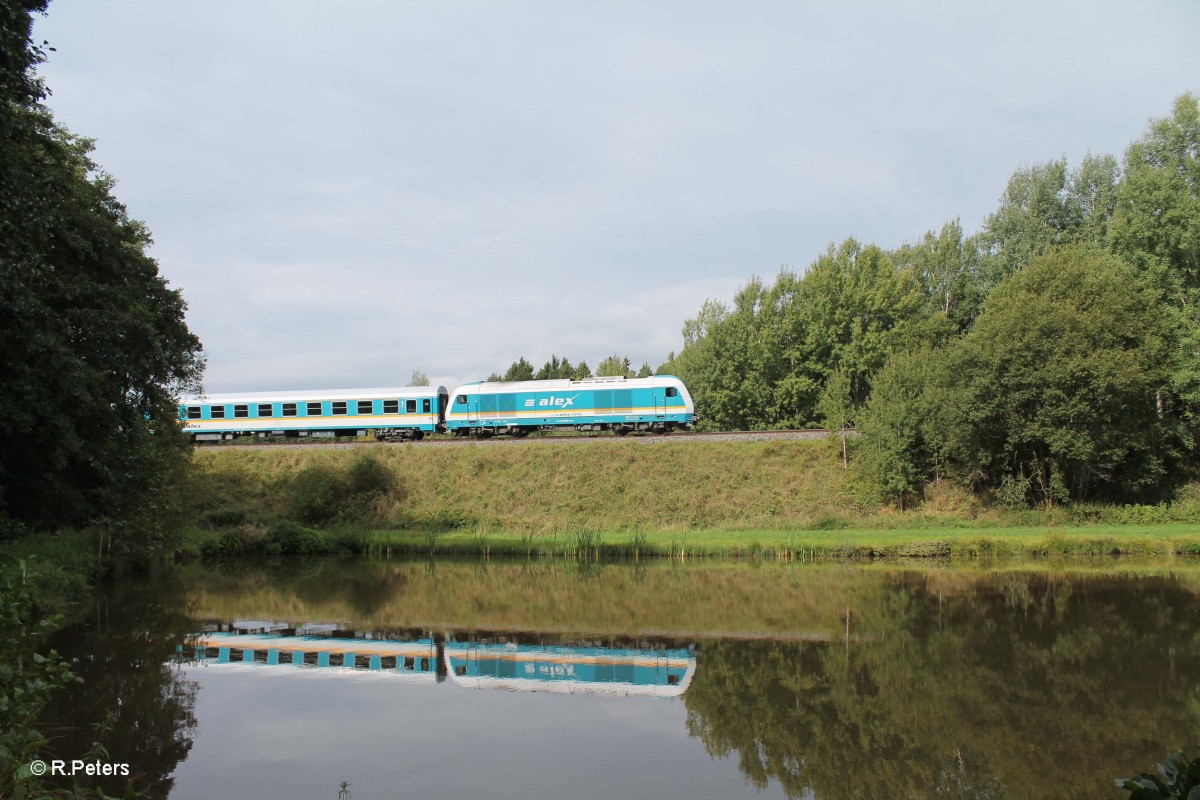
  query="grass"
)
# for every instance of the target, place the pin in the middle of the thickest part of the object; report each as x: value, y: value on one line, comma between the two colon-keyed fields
x: 1170, y: 539
x: 783, y: 499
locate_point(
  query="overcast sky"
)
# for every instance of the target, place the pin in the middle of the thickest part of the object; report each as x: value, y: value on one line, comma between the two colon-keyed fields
x: 346, y: 192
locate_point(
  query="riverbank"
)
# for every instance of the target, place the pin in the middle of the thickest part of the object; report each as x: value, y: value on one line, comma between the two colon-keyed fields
x: 776, y: 499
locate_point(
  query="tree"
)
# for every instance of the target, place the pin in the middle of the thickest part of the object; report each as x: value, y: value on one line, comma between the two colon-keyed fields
x: 946, y: 267
x: 94, y: 348
x: 727, y: 362
x: 521, y: 370
x: 1047, y: 206
x: 614, y: 365
x: 418, y: 378
x: 1156, y: 228
x: 582, y: 370
x: 837, y: 409
x: 555, y: 368
x: 901, y: 445
x: 1052, y: 395
x: 644, y: 371
x: 852, y: 308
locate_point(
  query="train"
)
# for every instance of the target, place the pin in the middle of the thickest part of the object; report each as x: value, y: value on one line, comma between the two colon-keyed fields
x: 657, y: 404
x: 472, y: 662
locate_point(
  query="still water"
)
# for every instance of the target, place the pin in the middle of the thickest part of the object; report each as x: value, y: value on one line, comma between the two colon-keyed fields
x: 449, y: 679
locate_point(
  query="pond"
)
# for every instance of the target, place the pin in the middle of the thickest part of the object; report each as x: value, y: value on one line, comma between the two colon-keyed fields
x: 551, y: 678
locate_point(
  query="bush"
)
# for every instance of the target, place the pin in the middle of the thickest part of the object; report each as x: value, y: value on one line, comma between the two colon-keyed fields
x: 1182, y: 780
x: 828, y: 522
x: 225, y: 518
x: 369, y: 475
x: 289, y: 538
x: 321, y: 494
x: 316, y: 492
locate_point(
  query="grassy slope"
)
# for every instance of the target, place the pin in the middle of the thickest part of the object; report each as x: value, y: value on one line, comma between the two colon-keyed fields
x: 785, y: 497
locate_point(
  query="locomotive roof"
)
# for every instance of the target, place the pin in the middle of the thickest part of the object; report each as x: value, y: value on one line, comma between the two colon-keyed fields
x: 315, y: 394
x: 564, y: 384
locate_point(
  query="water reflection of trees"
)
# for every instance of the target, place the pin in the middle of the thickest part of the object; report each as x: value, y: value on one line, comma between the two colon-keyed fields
x: 124, y: 649
x: 1017, y: 686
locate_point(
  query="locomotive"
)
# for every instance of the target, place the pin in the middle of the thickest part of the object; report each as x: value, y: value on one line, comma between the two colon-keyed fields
x: 658, y: 404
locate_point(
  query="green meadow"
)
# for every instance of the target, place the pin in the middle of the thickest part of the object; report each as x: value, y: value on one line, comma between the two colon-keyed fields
x: 781, y: 499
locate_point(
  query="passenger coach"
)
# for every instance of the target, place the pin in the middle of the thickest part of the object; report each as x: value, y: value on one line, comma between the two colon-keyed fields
x: 660, y: 403
x: 407, y: 412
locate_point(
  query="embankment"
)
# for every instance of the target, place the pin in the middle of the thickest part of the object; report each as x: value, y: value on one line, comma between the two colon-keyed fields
x: 780, y: 498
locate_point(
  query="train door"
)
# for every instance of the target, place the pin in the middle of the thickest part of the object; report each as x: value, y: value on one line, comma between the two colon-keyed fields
x: 473, y: 409
x: 660, y: 400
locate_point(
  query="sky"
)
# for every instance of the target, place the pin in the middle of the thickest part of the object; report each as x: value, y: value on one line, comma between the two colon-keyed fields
x: 346, y: 193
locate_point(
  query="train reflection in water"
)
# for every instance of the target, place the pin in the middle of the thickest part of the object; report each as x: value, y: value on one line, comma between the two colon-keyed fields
x: 510, y: 662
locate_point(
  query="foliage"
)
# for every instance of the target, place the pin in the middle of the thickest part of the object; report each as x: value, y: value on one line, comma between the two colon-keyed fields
x: 1156, y: 228
x: 321, y: 494
x: 947, y: 268
x: 1046, y: 206
x: 1054, y: 389
x: 93, y: 342
x: 27, y: 680
x: 764, y: 361
x: 1180, y: 779
x: 418, y: 378
x: 614, y: 365
x: 288, y: 538
x: 836, y: 408
x: 555, y: 368
x: 900, y: 445
x: 519, y: 370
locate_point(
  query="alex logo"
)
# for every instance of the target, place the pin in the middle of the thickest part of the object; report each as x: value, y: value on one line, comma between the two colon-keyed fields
x: 551, y: 402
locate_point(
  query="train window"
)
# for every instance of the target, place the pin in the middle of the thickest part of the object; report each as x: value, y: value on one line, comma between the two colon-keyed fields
x: 409, y: 662
x: 424, y: 665
x: 314, y: 409
x: 461, y: 400
x: 216, y: 412
x: 461, y: 669
x: 339, y: 406
x: 264, y: 409
x: 391, y: 406
x: 425, y: 406
x: 193, y: 412
x: 672, y: 391
x: 410, y: 406
x: 289, y: 409
x: 241, y: 412
x: 365, y: 407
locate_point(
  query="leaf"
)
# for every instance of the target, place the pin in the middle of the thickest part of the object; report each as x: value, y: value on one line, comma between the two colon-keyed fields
x: 1147, y: 794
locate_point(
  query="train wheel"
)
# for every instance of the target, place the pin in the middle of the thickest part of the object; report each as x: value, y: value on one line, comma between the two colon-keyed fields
x: 418, y: 435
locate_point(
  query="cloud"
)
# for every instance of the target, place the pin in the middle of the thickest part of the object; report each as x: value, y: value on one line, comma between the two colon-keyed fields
x: 344, y: 197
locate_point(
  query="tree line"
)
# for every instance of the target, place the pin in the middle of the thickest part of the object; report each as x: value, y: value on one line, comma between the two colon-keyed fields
x: 94, y: 347
x: 558, y: 368
x: 1053, y: 355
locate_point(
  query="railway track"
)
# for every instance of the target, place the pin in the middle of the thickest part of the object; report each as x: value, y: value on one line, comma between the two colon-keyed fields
x: 550, y: 438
